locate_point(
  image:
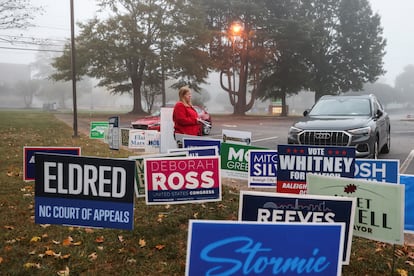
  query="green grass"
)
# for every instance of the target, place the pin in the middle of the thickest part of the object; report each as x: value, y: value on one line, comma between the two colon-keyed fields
x: 157, y: 244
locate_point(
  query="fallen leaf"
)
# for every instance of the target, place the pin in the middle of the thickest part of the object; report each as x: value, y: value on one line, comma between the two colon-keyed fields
x: 89, y: 230
x: 44, y: 225
x: 31, y: 265
x: 159, y: 246
x: 402, y: 272
x: 100, y: 239
x: 93, y: 256
x: 1, y: 260
x: 131, y: 261
x: 142, y: 243
x: 56, y: 242
x: 195, y: 215
x: 35, y: 239
x: 64, y: 257
x: 8, y: 227
x: 121, y: 238
x: 64, y: 272
x: 49, y: 252
x: 67, y: 241
x: 77, y: 243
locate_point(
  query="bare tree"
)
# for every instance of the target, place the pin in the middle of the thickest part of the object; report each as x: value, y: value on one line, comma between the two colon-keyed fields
x: 17, y: 14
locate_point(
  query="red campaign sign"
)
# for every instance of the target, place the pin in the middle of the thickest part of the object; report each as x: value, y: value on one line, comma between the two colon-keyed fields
x: 182, y: 180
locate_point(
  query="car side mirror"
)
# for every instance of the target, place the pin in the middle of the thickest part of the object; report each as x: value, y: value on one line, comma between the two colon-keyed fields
x: 379, y: 113
x: 306, y: 112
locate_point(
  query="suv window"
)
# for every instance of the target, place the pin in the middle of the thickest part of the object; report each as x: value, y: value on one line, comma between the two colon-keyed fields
x: 341, y: 107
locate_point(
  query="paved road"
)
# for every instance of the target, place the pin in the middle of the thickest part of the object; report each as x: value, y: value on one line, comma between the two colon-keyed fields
x: 269, y: 131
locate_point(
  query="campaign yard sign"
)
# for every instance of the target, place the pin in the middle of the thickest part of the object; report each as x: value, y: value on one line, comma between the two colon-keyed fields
x: 140, y: 169
x: 113, y: 132
x: 381, y: 170
x: 253, y: 248
x: 182, y: 180
x: 194, y: 141
x: 136, y: 139
x: 29, y: 158
x: 235, y: 160
x: 125, y: 137
x: 84, y: 191
x: 295, y: 161
x: 236, y: 137
x: 408, y: 181
x: 277, y: 207
x: 197, y: 151
x: 379, y: 213
x: 98, y: 129
x: 262, y: 169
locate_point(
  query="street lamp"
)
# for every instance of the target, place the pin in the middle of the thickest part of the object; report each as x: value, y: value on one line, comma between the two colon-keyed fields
x: 236, y: 29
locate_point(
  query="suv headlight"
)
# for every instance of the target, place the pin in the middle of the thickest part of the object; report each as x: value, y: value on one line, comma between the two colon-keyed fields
x: 361, y: 131
x: 294, y: 131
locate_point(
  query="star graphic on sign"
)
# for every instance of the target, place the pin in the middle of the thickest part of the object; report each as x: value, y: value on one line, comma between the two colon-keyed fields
x: 344, y: 152
x: 302, y: 151
x: 288, y: 150
x: 158, y: 179
x: 330, y: 152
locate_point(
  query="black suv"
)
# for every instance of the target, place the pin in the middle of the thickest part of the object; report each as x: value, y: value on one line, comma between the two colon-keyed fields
x: 345, y: 120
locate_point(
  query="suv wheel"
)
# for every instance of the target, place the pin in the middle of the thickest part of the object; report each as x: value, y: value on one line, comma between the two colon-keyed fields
x: 376, y: 149
x: 386, y: 148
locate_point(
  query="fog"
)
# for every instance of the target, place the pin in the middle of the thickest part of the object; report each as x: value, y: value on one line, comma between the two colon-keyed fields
x: 54, y: 26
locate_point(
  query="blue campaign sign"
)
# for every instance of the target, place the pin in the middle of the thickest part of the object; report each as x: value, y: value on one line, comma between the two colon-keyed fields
x: 29, y: 158
x: 297, y: 160
x: 381, y: 170
x: 200, y: 142
x: 197, y: 151
x: 278, y: 207
x: 262, y: 168
x: 84, y: 191
x: 408, y: 180
x: 252, y: 248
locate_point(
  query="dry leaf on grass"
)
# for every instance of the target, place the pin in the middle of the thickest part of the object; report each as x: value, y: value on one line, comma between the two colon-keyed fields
x: 67, y: 241
x: 142, y: 243
x: 64, y: 272
x: 93, y: 256
x: 35, y: 239
x: 121, y: 238
x: 100, y: 239
x: 402, y: 272
x: 160, y: 246
x: 49, y: 252
x: 31, y: 265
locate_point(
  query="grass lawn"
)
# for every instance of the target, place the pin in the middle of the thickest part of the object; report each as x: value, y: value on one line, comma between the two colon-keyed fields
x: 156, y: 245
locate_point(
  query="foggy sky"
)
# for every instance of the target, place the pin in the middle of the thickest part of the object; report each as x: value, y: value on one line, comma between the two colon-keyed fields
x: 55, y: 24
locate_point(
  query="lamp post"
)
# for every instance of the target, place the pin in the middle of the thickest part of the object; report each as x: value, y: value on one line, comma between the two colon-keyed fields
x: 235, y: 28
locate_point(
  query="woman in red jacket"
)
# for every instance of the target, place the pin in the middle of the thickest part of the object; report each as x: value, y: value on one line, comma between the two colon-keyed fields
x: 184, y: 115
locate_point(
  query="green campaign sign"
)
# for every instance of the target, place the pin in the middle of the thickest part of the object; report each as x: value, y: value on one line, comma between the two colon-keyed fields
x: 98, y: 130
x: 379, y: 212
x: 235, y: 160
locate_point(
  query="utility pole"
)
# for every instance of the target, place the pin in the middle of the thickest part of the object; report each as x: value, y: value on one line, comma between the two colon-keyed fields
x: 73, y: 67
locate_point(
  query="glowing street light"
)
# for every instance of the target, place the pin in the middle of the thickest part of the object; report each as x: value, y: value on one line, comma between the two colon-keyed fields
x: 235, y: 29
